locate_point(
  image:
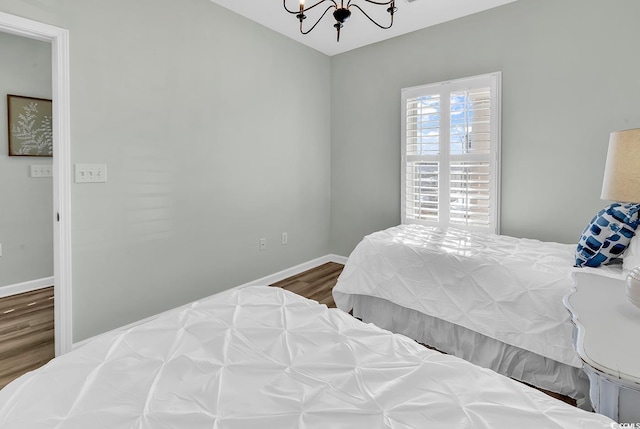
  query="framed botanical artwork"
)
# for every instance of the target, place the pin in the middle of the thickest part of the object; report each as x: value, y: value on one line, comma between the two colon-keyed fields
x: 30, y: 126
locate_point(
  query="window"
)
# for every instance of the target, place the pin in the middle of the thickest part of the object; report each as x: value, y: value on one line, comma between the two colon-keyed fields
x: 451, y: 153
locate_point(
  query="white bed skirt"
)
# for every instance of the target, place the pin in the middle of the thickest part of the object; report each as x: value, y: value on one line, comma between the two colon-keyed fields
x: 479, y: 349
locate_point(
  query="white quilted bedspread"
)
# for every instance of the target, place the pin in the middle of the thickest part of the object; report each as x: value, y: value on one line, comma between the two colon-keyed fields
x: 261, y: 357
x: 509, y: 289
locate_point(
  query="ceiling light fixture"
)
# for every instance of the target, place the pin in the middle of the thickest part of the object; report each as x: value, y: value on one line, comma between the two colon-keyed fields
x: 341, y: 13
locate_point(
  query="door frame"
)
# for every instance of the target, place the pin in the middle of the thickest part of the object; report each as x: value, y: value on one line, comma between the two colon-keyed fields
x: 59, y: 39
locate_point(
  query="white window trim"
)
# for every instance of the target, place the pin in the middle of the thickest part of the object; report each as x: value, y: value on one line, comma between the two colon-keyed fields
x: 494, y: 80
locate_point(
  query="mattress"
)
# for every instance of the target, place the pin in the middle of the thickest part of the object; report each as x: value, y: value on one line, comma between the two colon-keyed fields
x: 262, y: 357
x: 509, y: 289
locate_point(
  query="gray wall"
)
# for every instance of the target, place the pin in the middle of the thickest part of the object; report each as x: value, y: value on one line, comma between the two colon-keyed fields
x: 570, y: 77
x: 215, y: 132
x: 26, y: 224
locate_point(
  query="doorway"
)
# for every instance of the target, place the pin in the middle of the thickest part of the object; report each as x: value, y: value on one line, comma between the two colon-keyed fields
x: 59, y: 40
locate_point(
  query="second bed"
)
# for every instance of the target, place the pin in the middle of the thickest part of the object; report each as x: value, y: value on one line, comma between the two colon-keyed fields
x: 490, y: 299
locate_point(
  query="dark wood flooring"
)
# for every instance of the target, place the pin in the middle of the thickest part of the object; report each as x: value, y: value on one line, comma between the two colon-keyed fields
x: 26, y: 333
x: 317, y: 284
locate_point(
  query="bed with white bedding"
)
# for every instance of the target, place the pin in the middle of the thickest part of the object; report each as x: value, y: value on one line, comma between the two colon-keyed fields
x: 491, y: 299
x: 262, y: 357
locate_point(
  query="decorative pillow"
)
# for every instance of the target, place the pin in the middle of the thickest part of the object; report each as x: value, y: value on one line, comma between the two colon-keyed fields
x: 607, y: 235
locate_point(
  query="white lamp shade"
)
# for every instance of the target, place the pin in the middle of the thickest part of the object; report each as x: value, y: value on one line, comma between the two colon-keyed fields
x: 622, y: 171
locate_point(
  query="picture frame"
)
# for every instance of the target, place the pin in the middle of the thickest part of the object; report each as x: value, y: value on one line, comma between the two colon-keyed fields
x: 30, y: 126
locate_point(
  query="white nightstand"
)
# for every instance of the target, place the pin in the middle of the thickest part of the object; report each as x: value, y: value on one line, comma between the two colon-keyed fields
x: 607, y: 339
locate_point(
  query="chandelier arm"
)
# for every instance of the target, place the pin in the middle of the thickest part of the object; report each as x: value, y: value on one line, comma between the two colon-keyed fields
x: 297, y: 11
x: 372, y: 20
x: 319, y: 19
x: 381, y: 3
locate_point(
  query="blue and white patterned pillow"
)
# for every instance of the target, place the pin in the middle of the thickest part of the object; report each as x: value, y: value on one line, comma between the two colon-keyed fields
x: 607, y: 235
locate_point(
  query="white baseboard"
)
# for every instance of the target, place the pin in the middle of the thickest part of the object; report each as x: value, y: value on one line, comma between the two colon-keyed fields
x: 264, y: 281
x: 23, y: 287
x: 281, y: 275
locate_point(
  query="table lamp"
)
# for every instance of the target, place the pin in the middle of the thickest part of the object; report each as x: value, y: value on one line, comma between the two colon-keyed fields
x: 622, y: 184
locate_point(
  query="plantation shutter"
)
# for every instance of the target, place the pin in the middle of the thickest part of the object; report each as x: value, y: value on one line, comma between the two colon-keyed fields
x: 450, y: 159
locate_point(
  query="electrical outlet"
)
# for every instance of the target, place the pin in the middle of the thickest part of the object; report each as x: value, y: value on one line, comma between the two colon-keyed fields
x: 91, y: 173
x: 41, y: 171
x: 263, y: 243
x: 285, y: 238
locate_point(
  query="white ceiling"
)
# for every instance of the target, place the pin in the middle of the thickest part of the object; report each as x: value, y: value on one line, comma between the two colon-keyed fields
x: 358, y: 31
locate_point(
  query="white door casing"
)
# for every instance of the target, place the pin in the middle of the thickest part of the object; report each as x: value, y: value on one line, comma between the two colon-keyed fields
x: 59, y: 39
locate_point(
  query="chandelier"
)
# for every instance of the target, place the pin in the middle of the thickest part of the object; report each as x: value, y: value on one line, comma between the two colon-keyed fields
x: 341, y: 13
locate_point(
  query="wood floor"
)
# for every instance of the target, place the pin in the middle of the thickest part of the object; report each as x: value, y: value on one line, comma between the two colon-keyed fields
x: 317, y: 284
x: 26, y: 333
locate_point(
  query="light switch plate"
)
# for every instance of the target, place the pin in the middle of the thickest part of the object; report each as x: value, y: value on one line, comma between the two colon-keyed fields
x: 41, y: 170
x: 90, y: 173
